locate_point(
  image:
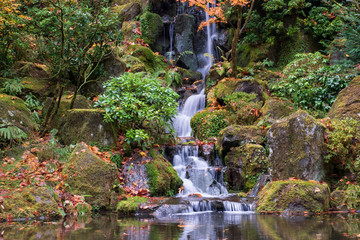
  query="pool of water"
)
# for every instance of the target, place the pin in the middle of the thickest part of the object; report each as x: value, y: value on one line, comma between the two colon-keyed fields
x: 195, y: 226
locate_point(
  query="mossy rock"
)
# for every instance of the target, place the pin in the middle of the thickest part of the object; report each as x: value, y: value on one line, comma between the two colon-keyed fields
x: 151, y: 26
x: 228, y: 86
x: 81, y: 102
x: 208, y: 123
x: 235, y: 136
x: 338, y: 199
x: 90, y: 176
x: 243, y: 166
x: 128, y: 28
x: 143, y: 3
x: 134, y: 64
x: 130, y: 205
x: 29, y: 203
x: 275, y: 109
x: 347, y: 104
x: 296, y: 145
x: 163, y: 179
x: 294, y: 196
x: 188, y: 76
x: 152, y: 62
x: 14, y: 112
x: 32, y: 70
x: 39, y: 87
x: 248, y: 54
x: 87, y: 125
x: 128, y: 11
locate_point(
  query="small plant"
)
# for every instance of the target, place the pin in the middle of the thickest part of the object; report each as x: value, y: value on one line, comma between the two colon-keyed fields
x: 9, y: 132
x: 117, y: 159
x: 13, y: 86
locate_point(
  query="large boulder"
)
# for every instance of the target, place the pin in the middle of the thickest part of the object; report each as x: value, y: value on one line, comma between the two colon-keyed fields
x: 152, y: 62
x: 296, y: 146
x: 244, y: 165
x: 128, y: 11
x: 184, y: 35
x: 275, y: 109
x: 347, y: 104
x: 235, y: 136
x: 33, y: 70
x: 90, y: 176
x: 87, y: 125
x: 151, y: 26
x: 29, y: 203
x: 15, y: 113
x: 294, y: 196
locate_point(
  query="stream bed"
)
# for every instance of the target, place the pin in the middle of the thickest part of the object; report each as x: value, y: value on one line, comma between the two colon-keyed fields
x: 205, y: 225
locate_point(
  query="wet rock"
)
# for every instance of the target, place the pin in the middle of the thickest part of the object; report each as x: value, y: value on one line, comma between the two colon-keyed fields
x: 184, y: 34
x: 275, y: 109
x: 235, y: 135
x: 87, y: 125
x: 208, y: 153
x: 29, y: 203
x: 15, y: 113
x: 167, y: 210
x: 135, y: 173
x: 90, y: 176
x: 262, y: 180
x: 296, y: 146
x: 244, y: 164
x: 347, y: 104
x: 294, y: 196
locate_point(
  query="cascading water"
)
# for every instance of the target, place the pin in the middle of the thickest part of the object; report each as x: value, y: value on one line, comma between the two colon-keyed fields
x: 200, y: 179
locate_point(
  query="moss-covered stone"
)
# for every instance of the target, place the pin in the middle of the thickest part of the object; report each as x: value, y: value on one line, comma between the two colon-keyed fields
x: 151, y: 27
x: 127, y: 11
x: 81, y: 102
x: 294, y: 196
x: 275, y: 109
x: 248, y: 54
x: 14, y: 112
x: 128, y: 30
x: 163, y: 179
x: 208, y: 123
x: 152, y: 62
x: 244, y: 164
x: 347, y: 104
x: 130, y: 205
x: 29, y: 203
x: 228, y: 86
x: 39, y: 87
x: 338, y: 199
x: 135, y: 64
x: 90, y: 176
x: 32, y: 70
x: 296, y: 146
x: 87, y: 125
x: 235, y: 136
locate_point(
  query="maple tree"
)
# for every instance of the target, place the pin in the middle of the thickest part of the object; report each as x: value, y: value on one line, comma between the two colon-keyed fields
x: 216, y: 12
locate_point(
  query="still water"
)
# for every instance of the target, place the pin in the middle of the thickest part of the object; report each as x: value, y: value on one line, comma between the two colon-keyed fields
x: 197, y: 227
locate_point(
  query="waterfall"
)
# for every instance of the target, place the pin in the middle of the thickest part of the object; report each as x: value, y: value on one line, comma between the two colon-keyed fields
x: 171, y: 36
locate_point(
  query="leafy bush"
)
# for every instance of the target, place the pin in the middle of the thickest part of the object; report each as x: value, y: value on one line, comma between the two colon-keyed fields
x: 311, y: 83
x: 13, y: 87
x: 11, y: 133
x: 208, y: 123
x: 141, y: 105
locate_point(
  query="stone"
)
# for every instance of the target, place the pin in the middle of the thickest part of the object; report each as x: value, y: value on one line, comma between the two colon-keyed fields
x: 152, y: 62
x: 339, y: 199
x: 294, y: 196
x: 296, y: 146
x: 235, y: 136
x: 228, y: 86
x: 87, y: 125
x: 128, y: 12
x: 14, y: 112
x: 114, y: 66
x: 90, y: 176
x: 151, y: 25
x: 244, y: 165
x: 128, y: 30
x: 184, y: 34
x: 29, y: 203
x: 39, y: 87
x: 275, y: 109
x: 33, y: 70
x: 347, y: 103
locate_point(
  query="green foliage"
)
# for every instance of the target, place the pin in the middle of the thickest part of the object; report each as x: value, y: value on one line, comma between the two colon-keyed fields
x: 311, y: 83
x: 32, y: 103
x: 10, y: 132
x: 53, y: 150
x: 244, y: 106
x: 208, y: 123
x: 151, y: 26
x: 13, y: 87
x: 117, y: 159
x: 343, y: 145
x: 140, y: 104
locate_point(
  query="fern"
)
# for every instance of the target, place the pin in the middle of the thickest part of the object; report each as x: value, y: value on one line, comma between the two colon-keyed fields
x: 11, y: 132
x: 13, y: 86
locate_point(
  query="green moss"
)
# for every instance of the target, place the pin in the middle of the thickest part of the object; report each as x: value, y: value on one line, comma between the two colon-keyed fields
x: 130, y: 205
x: 294, y: 195
x: 31, y: 203
x: 248, y: 55
x: 163, y: 179
x: 275, y: 109
x: 208, y: 123
x: 39, y: 87
x: 151, y: 27
x: 152, y: 62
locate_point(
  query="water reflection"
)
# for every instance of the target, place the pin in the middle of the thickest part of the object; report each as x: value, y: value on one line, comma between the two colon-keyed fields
x: 197, y: 226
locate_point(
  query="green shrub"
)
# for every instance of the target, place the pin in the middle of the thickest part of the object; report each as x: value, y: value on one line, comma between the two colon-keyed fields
x: 311, y: 83
x: 141, y: 105
x: 208, y: 123
x: 13, y: 86
x: 130, y: 205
